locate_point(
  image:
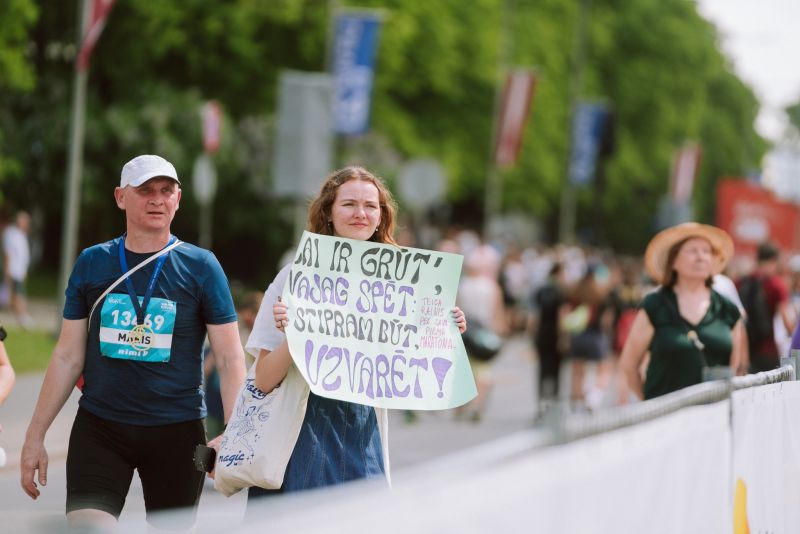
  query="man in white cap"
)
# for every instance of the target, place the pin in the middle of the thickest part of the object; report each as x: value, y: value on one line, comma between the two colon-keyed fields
x: 135, y: 337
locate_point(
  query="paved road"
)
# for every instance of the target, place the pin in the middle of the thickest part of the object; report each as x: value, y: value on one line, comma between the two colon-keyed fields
x: 433, y: 435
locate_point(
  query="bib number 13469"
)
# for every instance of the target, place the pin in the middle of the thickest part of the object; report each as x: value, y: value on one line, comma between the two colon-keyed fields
x: 128, y: 318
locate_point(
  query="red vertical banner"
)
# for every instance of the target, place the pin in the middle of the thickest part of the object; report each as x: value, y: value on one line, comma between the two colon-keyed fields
x: 99, y: 10
x: 513, y: 116
x: 211, y: 114
x: 684, y: 172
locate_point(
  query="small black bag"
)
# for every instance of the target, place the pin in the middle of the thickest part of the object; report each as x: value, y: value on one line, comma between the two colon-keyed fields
x: 481, y: 343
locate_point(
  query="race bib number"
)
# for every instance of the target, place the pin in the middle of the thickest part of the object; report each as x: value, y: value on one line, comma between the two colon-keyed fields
x: 122, y: 338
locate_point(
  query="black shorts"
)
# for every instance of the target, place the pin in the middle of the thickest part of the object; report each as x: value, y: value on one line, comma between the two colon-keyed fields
x: 103, y: 455
x: 589, y: 345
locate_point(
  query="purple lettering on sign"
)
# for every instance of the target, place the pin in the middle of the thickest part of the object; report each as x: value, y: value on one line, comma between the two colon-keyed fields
x: 351, y: 374
x: 383, y: 296
x: 398, y: 357
x: 369, y: 367
x: 333, y: 291
x: 419, y: 363
x: 363, y: 303
x: 309, y: 352
x: 333, y: 352
x: 378, y: 376
x: 440, y: 368
x: 323, y: 290
x: 378, y: 291
x: 381, y: 374
x: 406, y: 291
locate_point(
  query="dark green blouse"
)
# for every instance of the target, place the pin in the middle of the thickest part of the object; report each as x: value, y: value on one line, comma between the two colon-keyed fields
x: 674, y: 360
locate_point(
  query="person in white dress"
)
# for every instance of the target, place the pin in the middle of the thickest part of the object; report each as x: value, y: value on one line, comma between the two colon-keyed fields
x: 16, y: 258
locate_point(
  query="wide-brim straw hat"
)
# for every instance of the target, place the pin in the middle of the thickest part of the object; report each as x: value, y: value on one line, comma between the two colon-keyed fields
x: 655, y: 257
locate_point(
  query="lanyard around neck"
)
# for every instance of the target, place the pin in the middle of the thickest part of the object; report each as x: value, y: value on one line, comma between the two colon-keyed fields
x: 141, y: 309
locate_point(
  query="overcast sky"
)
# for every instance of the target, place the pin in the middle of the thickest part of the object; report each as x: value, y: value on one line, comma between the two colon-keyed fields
x: 762, y: 39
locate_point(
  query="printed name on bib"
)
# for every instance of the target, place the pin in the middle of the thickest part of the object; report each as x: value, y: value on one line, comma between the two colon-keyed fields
x: 122, y: 338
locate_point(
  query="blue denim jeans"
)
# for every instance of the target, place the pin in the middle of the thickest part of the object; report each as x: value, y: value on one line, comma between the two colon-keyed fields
x: 339, y: 441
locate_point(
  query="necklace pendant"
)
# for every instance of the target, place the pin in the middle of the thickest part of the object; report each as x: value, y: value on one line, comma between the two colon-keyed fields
x: 695, y: 339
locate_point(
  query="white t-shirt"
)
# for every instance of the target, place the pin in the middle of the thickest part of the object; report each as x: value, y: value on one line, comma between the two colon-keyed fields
x: 725, y: 287
x: 265, y: 335
x: 16, y: 249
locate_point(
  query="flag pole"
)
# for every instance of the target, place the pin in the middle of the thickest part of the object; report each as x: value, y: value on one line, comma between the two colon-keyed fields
x: 72, y: 195
x: 567, y: 215
x: 493, y: 198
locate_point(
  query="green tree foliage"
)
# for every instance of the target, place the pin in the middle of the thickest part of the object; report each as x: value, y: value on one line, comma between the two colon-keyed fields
x: 16, y: 73
x: 659, y: 64
x: 16, y: 18
x: 440, y: 63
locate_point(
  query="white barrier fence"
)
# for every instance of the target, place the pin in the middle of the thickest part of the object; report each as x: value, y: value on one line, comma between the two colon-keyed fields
x: 730, y: 465
x: 721, y: 457
x: 766, y: 457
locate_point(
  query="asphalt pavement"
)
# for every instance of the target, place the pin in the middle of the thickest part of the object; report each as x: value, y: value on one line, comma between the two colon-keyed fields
x: 430, y: 436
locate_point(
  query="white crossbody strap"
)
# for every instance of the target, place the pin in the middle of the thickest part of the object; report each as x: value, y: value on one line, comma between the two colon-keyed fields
x: 126, y: 275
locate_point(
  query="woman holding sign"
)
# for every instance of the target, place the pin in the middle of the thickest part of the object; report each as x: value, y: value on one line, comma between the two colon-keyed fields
x: 338, y: 441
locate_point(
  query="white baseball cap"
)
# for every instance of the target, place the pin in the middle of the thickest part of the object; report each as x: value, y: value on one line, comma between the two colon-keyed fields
x: 142, y: 168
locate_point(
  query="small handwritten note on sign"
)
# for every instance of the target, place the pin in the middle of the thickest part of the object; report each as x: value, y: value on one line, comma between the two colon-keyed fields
x: 372, y: 324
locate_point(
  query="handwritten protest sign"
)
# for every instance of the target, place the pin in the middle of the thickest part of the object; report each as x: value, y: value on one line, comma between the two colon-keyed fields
x: 372, y: 324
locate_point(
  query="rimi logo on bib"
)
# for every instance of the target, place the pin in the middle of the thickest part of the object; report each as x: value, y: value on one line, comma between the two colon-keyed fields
x: 121, y: 337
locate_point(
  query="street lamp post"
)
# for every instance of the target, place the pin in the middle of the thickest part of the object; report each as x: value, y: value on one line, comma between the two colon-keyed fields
x: 566, y: 233
x: 72, y: 197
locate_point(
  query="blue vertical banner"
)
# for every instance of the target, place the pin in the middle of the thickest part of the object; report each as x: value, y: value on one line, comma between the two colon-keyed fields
x: 588, y: 125
x: 354, y: 47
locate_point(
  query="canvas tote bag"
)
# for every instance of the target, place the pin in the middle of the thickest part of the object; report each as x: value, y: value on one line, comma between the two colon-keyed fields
x: 261, y: 434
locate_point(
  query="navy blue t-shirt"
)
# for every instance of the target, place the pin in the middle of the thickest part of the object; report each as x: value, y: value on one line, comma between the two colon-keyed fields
x: 150, y: 393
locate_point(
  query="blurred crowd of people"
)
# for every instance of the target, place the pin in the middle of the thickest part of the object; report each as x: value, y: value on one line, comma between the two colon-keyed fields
x: 577, y: 306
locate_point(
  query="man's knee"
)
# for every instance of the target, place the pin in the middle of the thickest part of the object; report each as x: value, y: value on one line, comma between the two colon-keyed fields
x: 89, y: 521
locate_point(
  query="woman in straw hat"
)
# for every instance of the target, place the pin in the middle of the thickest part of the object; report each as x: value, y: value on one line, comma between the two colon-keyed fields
x: 685, y: 325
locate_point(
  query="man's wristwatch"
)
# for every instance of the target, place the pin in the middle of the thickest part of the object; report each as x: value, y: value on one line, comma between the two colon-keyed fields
x: 3, y: 333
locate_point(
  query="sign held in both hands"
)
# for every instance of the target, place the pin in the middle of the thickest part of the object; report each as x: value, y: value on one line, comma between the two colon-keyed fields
x: 372, y: 323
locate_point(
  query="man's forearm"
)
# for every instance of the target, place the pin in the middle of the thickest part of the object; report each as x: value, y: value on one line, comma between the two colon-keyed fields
x: 58, y: 382
x: 231, y: 376
x: 229, y: 355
